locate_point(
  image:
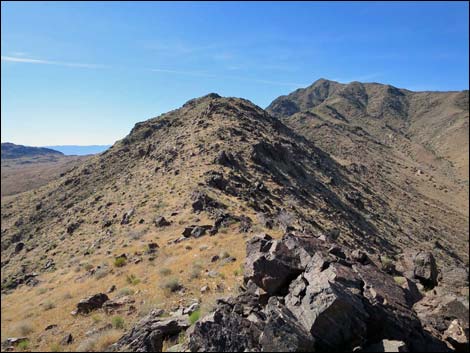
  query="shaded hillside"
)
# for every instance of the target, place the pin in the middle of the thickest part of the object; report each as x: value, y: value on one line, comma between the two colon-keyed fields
x: 10, y: 150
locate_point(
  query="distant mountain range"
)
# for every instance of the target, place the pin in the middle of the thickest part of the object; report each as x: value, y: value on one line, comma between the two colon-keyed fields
x: 77, y: 150
x: 10, y: 151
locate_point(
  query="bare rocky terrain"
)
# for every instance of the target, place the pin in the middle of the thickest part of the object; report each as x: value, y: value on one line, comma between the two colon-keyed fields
x: 161, y: 242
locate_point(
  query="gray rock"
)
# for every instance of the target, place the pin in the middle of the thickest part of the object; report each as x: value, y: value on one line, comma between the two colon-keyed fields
x: 282, y: 332
x: 425, y: 269
x: 149, y: 333
x: 160, y: 221
x: 67, y: 339
x: 327, y: 305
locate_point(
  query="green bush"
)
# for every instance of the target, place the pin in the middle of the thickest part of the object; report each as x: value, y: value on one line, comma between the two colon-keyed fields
x: 194, y: 316
x: 23, y: 345
x: 132, y: 279
x: 119, y: 261
x: 172, y: 285
x: 117, y: 322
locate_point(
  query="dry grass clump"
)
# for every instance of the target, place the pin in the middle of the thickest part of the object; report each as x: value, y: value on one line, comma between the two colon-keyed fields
x: 100, y: 341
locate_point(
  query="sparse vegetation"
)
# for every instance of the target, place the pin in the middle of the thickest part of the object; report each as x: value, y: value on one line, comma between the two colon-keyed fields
x: 55, y: 347
x: 125, y: 291
x: 24, y: 328
x: 165, y: 271
x: 87, y: 266
x: 23, y: 345
x: 101, y: 273
x: 194, y: 317
x: 224, y: 255
x: 120, y: 261
x: 42, y: 290
x: 48, y: 305
x: 172, y: 285
x: 195, y: 271
x: 132, y: 279
x: 117, y: 322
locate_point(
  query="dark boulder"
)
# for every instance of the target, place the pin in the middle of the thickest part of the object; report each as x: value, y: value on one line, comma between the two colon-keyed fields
x: 91, y: 303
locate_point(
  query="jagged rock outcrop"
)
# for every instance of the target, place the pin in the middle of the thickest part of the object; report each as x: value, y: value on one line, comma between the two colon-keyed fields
x: 322, y: 301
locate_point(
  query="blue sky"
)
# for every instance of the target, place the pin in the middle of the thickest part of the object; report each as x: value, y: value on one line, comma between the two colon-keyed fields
x: 85, y: 73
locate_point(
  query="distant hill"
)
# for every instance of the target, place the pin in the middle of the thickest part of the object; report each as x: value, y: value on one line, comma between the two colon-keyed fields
x: 10, y: 151
x: 75, y: 150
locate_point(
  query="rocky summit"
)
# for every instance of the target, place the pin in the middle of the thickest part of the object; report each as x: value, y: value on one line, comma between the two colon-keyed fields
x: 334, y: 220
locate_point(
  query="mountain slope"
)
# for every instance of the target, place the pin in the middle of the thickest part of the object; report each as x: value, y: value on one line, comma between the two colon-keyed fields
x: 421, y: 137
x: 219, y: 170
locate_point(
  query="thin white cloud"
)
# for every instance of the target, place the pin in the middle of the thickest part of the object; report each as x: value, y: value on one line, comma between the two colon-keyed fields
x: 49, y: 62
x: 177, y: 72
x: 226, y: 77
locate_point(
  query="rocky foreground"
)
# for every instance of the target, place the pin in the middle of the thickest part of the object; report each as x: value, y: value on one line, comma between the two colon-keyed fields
x: 308, y: 294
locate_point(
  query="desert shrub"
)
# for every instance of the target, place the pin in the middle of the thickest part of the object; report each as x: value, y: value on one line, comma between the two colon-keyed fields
x: 399, y: 280
x: 23, y: 345
x: 387, y: 264
x: 55, y: 347
x: 194, y: 316
x: 132, y: 279
x: 125, y: 291
x: 24, y: 328
x: 105, y: 339
x: 101, y: 273
x: 87, y: 266
x: 239, y: 271
x: 195, y: 271
x: 88, y: 344
x: 42, y: 291
x: 96, y: 318
x: 172, y: 285
x: 48, y: 305
x: 119, y: 261
x: 224, y: 255
x: 136, y: 234
x: 67, y: 296
x: 117, y: 322
x: 165, y: 271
